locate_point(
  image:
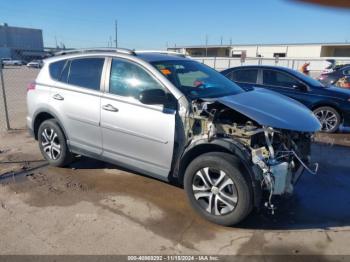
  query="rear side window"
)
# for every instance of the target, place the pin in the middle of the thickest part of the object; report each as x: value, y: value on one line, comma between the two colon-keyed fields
x: 244, y: 76
x: 275, y: 78
x: 86, y: 72
x: 346, y: 71
x: 56, y: 69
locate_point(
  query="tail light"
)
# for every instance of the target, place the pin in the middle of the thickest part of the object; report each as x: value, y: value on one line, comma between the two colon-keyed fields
x: 31, y: 86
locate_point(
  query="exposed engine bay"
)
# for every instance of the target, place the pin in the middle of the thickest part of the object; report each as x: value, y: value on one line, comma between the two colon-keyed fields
x: 281, y: 155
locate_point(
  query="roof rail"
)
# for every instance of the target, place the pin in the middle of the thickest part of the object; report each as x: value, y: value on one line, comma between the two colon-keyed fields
x: 91, y: 50
x: 160, y: 52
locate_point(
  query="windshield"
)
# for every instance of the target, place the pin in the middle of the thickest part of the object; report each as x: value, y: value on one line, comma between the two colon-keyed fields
x: 307, y: 79
x: 196, y: 80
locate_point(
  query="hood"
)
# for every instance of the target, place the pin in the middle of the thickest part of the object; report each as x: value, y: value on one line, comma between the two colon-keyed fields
x: 272, y: 109
x: 339, y: 90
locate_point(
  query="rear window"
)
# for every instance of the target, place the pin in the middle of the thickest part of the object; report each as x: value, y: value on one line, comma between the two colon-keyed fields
x: 56, y: 69
x: 245, y: 76
x: 86, y: 72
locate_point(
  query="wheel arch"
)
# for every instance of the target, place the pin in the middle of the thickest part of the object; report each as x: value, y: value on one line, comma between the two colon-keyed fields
x: 42, y: 115
x: 329, y: 104
x: 226, y: 146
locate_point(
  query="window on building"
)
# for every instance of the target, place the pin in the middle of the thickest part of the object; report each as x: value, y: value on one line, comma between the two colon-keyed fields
x: 245, y: 76
x: 275, y: 78
x: 128, y: 79
x: 279, y: 55
x: 86, y: 72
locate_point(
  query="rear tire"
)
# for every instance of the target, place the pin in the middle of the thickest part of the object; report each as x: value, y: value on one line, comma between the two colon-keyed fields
x: 329, y: 118
x: 219, y: 203
x: 53, y: 144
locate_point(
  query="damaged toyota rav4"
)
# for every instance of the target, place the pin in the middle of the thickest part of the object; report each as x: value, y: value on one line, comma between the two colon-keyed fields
x: 174, y: 119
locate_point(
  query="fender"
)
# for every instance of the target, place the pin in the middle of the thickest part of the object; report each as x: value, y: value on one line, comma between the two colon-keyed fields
x: 227, y: 145
x: 55, y: 116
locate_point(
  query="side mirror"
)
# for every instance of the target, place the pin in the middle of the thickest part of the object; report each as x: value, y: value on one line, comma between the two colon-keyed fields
x: 153, y: 97
x: 300, y: 87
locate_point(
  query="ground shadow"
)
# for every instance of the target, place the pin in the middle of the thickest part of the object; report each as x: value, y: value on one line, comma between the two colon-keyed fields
x: 320, y: 201
x: 82, y: 162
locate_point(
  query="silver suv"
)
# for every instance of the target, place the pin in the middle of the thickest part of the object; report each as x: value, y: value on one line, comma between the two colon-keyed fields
x: 172, y: 118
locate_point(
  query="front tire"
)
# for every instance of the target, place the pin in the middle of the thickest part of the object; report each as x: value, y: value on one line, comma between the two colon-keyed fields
x: 217, y: 189
x: 329, y: 118
x: 53, y: 144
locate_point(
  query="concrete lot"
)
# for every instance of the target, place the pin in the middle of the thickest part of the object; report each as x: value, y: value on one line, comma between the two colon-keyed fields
x: 95, y: 208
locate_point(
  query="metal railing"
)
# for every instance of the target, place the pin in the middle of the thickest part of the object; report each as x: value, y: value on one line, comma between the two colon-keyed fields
x: 222, y: 63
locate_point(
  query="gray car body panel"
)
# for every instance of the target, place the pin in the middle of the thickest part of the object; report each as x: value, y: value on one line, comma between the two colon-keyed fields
x: 141, y: 137
x: 124, y: 137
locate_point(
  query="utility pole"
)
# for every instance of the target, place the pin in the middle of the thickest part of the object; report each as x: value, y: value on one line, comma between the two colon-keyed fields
x: 116, y: 33
x: 56, y: 41
x: 206, y: 45
x: 221, y: 40
x: 8, y: 127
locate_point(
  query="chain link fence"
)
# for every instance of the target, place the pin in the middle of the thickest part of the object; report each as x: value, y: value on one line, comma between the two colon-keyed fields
x: 13, y: 89
x: 221, y: 63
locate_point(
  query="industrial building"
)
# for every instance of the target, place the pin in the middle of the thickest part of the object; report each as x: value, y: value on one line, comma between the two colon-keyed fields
x: 312, y: 50
x: 21, y: 43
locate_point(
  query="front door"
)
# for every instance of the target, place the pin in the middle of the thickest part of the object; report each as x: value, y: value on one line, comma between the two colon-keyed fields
x: 136, y: 135
x: 285, y: 84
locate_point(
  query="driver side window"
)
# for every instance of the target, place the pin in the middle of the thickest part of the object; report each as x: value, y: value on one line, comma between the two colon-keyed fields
x: 129, y: 79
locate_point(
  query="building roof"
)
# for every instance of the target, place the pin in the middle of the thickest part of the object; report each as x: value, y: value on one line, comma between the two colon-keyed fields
x: 5, y: 25
x: 285, y: 44
x: 155, y: 57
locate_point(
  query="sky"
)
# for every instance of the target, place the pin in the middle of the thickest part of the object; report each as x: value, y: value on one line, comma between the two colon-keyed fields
x: 156, y: 24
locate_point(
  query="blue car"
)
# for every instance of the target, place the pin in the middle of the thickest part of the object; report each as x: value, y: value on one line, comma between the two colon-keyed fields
x: 330, y: 104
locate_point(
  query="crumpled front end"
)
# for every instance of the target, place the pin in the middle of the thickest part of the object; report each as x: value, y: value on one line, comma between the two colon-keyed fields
x: 280, y: 154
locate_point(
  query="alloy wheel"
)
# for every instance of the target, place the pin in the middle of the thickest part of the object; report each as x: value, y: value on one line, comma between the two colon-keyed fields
x: 50, y: 143
x: 215, y: 191
x: 327, y: 119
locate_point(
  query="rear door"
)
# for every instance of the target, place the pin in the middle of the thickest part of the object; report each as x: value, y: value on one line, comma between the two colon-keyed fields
x: 136, y: 135
x: 245, y: 78
x: 76, y: 98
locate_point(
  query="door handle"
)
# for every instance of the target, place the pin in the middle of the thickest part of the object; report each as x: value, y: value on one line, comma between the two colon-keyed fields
x: 58, y: 97
x: 110, y: 108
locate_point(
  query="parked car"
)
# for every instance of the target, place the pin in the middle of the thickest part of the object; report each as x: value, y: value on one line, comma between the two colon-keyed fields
x: 12, y: 62
x: 154, y: 113
x: 35, y: 64
x: 333, y: 76
x: 330, y: 104
x: 344, y: 82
